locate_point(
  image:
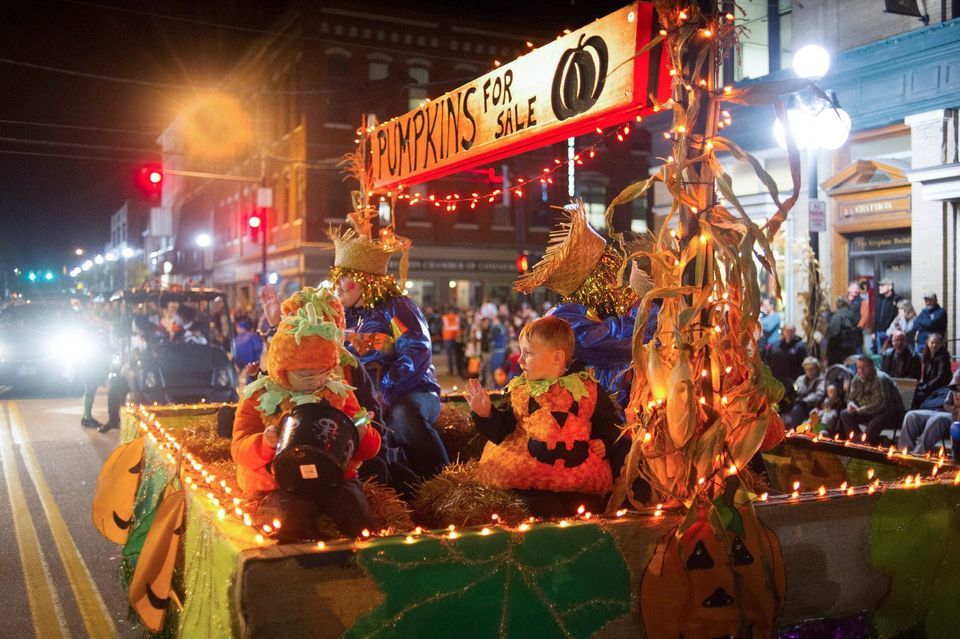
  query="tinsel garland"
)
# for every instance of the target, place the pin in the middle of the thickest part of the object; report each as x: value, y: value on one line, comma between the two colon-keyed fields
x: 374, y: 289
x: 602, y: 291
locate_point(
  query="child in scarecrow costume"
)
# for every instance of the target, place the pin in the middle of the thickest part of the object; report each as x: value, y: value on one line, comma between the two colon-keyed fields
x: 304, y: 362
x: 585, y: 271
x: 555, y: 442
x: 388, y: 333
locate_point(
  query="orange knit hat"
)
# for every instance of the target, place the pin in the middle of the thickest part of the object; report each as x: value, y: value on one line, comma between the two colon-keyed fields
x: 309, y: 336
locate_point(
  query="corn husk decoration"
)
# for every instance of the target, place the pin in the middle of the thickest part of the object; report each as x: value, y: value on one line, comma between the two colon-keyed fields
x: 702, y: 403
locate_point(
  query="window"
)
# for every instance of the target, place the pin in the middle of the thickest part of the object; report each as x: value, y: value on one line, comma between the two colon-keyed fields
x: 420, y: 77
x: 594, y: 197
x: 378, y: 70
x: 766, y: 46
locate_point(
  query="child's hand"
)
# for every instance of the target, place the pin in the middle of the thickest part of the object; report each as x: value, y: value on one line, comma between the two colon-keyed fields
x: 271, y: 305
x: 270, y: 436
x: 477, y: 398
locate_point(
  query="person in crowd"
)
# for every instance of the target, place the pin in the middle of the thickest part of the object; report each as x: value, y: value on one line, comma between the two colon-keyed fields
x: 934, y: 371
x: 770, y: 324
x: 495, y: 360
x: 186, y: 328
x: 94, y: 368
x: 304, y: 366
x: 388, y: 334
x: 931, y: 319
x: 904, y: 322
x: 842, y: 333
x: 451, y: 335
x: 923, y: 429
x: 552, y: 415
x: 874, y: 401
x: 860, y: 307
x: 247, y: 349
x: 828, y: 412
x: 885, y: 311
x: 786, y: 358
x: 899, y: 360
x: 809, y: 392
x: 602, y: 311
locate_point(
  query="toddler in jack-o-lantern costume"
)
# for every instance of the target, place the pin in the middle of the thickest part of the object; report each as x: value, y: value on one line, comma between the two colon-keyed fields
x: 304, y: 362
x: 554, y: 444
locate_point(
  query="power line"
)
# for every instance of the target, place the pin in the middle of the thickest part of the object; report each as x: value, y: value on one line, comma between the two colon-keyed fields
x: 77, y: 127
x: 82, y: 145
x: 68, y: 157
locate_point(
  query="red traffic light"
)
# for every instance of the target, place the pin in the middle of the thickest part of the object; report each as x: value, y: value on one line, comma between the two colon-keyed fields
x: 523, y: 263
x: 149, y: 180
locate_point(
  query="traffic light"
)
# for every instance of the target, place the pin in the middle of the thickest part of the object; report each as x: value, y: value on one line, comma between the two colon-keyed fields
x: 254, y: 223
x: 149, y: 180
x: 523, y: 263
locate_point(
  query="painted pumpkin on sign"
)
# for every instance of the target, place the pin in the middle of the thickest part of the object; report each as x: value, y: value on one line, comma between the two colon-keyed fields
x: 116, y: 492
x: 706, y: 585
x: 550, y: 449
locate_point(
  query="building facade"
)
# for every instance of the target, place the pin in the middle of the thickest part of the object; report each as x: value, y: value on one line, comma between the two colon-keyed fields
x: 889, y: 194
x: 302, y: 94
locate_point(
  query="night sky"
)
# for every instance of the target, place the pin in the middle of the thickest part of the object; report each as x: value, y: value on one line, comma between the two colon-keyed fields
x: 167, y: 48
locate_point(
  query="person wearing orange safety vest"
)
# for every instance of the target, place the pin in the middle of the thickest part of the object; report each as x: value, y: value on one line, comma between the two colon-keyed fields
x: 451, y: 335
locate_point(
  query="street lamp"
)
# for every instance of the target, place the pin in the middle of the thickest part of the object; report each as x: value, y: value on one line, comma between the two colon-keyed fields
x: 815, y: 122
x: 203, y: 240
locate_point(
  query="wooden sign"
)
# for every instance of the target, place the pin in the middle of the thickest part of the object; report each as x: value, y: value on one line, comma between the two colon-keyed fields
x: 589, y: 78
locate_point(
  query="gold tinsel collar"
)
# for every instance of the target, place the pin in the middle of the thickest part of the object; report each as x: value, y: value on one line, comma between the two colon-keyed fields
x: 374, y: 289
x: 602, y: 292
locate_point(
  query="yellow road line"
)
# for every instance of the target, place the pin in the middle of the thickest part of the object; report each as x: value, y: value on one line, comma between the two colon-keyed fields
x: 44, y: 605
x: 93, y: 611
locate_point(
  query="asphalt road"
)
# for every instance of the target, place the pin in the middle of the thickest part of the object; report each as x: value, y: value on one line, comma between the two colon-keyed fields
x: 59, y: 576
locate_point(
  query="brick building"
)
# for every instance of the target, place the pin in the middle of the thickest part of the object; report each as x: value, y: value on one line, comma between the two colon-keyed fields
x: 293, y: 105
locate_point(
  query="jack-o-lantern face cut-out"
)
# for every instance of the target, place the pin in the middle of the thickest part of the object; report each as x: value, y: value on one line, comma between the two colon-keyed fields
x: 707, y: 585
x: 550, y: 449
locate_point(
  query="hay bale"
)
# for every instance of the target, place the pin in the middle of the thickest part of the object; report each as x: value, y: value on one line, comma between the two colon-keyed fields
x: 462, y: 441
x: 385, y: 506
x: 455, y: 497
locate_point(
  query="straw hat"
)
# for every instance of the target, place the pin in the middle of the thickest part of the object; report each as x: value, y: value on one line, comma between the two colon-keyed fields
x: 359, y: 252
x: 572, y: 254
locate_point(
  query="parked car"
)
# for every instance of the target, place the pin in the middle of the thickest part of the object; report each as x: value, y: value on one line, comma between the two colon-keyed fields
x: 43, y: 343
x: 160, y: 365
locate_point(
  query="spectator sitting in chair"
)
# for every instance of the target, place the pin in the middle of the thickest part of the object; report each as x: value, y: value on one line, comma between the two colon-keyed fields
x: 923, y: 429
x: 934, y: 370
x: 786, y: 358
x: 899, y: 360
x: 809, y: 390
x: 874, y: 401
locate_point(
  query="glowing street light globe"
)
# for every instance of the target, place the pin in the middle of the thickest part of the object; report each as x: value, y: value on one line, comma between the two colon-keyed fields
x: 203, y: 240
x: 831, y: 128
x: 811, y: 61
x: 127, y: 253
x: 802, y: 126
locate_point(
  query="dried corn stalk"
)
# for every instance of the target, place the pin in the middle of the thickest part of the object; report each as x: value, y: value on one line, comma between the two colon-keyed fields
x: 702, y: 402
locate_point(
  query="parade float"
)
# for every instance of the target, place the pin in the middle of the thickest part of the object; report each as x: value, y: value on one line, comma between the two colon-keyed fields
x: 811, y: 537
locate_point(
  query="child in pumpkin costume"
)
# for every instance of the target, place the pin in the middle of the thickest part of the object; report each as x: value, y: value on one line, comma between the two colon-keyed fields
x: 556, y: 443
x: 304, y: 366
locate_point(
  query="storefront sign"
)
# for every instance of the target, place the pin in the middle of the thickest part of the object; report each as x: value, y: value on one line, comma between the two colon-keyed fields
x: 458, y: 266
x: 589, y: 78
x: 882, y: 206
x: 818, y: 216
x: 881, y: 242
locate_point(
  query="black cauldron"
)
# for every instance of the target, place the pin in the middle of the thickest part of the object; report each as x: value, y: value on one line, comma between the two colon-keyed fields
x: 315, y: 446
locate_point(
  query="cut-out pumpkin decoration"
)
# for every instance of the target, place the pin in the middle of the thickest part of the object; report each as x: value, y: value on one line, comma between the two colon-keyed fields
x: 706, y: 584
x: 152, y: 580
x: 113, y: 502
x: 550, y: 449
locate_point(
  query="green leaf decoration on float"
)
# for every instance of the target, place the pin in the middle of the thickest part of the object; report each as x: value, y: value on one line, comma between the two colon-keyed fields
x: 915, y: 538
x: 572, y: 382
x: 551, y: 581
x: 274, y: 394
